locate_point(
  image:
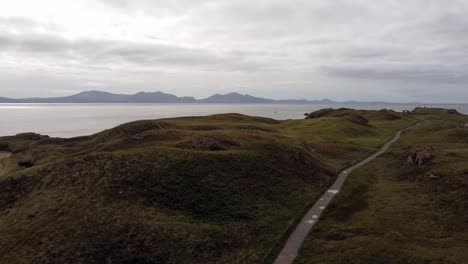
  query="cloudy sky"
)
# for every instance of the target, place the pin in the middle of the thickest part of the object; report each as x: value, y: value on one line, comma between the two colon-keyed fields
x: 392, y: 50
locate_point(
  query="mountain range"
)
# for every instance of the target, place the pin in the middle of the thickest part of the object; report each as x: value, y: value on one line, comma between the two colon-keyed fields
x: 160, y: 97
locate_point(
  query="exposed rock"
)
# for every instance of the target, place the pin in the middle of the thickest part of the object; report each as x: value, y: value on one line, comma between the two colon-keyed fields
x: 406, y: 112
x: 137, y: 137
x: 452, y: 111
x: 429, y: 175
x: 419, y: 155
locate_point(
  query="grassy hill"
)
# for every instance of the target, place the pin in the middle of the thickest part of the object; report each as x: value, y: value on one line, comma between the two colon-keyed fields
x: 218, y: 189
x: 393, y: 212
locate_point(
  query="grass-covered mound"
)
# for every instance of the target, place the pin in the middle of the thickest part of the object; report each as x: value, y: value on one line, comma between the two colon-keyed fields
x: 392, y: 211
x: 217, y: 189
x: 355, y: 114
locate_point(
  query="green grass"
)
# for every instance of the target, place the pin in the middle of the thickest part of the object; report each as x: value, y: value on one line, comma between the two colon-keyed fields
x: 388, y: 212
x: 217, y: 189
x: 343, y: 143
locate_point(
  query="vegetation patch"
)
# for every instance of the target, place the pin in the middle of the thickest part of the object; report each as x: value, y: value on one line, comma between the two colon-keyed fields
x: 358, y: 119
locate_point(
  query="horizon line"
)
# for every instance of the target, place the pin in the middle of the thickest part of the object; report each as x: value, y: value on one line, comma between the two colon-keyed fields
x: 234, y: 92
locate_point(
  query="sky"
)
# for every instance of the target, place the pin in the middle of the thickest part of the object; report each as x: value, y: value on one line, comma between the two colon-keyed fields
x: 367, y: 50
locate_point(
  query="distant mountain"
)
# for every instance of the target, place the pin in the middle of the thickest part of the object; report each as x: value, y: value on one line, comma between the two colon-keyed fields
x: 105, y: 97
x: 236, y: 98
x: 159, y: 97
x: 6, y: 100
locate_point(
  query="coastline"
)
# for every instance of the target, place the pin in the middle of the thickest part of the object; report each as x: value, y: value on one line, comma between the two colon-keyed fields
x: 74, y: 120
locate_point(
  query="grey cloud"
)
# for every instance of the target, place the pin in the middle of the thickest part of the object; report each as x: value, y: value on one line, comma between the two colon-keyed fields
x: 151, y: 7
x: 312, y: 47
x: 16, y: 22
x: 366, y: 51
x: 42, y: 43
x: 146, y: 54
x: 5, y: 42
x: 454, y: 25
x: 427, y: 75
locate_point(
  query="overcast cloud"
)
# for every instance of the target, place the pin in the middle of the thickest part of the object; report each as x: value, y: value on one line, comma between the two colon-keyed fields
x: 392, y: 50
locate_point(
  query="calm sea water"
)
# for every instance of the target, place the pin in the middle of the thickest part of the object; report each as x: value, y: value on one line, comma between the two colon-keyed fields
x: 70, y: 120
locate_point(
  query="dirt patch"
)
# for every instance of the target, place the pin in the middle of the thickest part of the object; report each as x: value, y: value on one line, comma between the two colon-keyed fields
x: 207, y: 142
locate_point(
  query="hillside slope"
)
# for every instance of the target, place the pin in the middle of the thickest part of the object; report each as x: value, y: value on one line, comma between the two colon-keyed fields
x: 392, y: 211
x: 217, y: 189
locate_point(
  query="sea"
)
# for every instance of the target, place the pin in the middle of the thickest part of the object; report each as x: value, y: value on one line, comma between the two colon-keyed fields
x: 72, y: 120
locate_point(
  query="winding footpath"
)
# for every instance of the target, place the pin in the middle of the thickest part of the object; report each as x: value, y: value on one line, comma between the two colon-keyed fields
x: 294, y: 242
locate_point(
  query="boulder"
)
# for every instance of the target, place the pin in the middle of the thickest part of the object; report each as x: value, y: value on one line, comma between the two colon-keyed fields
x: 429, y: 175
x: 136, y: 137
x: 419, y: 155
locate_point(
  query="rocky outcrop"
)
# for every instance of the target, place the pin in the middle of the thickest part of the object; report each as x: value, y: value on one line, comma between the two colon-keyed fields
x: 318, y: 113
x: 419, y: 155
x: 406, y: 112
x: 136, y: 137
x: 433, y: 111
x: 330, y: 112
x: 32, y: 136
